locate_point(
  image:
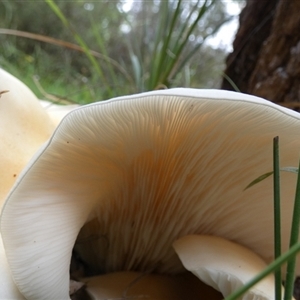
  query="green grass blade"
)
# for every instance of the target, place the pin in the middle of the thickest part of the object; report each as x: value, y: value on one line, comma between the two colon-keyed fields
x: 186, y: 25
x: 189, y: 55
x: 268, y: 174
x: 184, y: 40
x: 101, y: 45
x: 206, y: 6
x: 178, y: 42
x: 160, y: 41
x: 231, y: 82
x: 259, y: 179
x: 59, y: 13
x: 137, y: 71
x: 164, y: 57
x: 290, y: 275
x: 171, y: 29
x: 277, y: 216
x: 290, y: 169
x: 268, y: 270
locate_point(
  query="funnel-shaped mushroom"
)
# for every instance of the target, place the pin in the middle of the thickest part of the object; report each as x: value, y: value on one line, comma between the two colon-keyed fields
x: 123, y: 179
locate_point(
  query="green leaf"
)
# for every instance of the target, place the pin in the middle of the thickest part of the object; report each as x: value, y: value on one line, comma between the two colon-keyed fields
x: 291, y: 265
x: 277, y: 216
x: 290, y: 169
x: 259, y: 179
x: 266, y: 175
x: 137, y: 70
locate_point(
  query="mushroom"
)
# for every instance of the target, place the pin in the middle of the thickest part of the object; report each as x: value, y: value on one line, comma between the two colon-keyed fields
x: 24, y: 127
x: 119, y: 181
x: 224, y: 265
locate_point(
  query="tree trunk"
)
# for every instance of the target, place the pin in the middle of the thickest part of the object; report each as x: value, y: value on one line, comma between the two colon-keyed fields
x: 266, y: 56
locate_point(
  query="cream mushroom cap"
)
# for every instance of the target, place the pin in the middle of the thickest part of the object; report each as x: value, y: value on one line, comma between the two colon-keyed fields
x: 135, y: 173
x: 25, y: 126
x: 224, y: 265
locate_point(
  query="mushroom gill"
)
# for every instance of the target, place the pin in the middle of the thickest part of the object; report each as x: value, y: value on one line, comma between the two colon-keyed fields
x: 119, y: 181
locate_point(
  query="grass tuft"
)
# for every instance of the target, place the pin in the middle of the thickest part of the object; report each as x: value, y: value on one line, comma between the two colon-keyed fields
x: 288, y: 257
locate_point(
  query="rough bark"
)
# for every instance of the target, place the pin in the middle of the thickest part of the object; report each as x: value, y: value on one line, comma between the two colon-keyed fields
x: 255, y: 26
x: 266, y: 57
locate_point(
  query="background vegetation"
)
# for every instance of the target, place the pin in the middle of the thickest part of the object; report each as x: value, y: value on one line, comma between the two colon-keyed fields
x: 149, y: 45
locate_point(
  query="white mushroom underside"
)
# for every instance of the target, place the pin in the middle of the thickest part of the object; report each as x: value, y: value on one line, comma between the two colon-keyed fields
x: 145, y: 172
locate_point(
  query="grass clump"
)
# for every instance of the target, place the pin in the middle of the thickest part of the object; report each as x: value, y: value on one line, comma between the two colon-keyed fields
x: 290, y: 256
